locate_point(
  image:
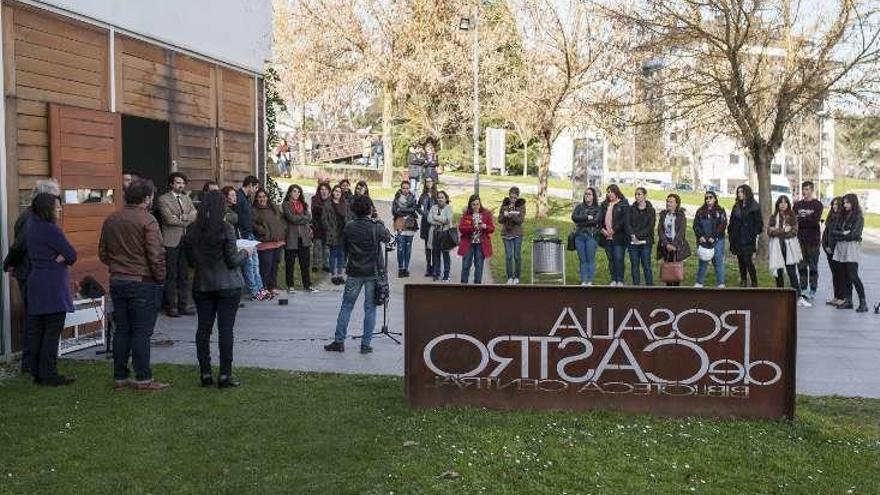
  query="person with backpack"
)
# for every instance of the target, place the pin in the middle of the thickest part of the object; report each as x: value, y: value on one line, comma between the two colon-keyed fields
x: 710, y: 225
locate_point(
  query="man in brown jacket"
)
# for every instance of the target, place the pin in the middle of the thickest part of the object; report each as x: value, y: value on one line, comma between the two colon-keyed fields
x: 131, y: 247
x: 176, y: 213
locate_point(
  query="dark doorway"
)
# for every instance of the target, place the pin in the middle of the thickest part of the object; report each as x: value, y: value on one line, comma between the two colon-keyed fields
x: 146, y: 149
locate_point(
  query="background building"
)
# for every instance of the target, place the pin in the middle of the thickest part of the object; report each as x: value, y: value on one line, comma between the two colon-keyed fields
x: 93, y: 87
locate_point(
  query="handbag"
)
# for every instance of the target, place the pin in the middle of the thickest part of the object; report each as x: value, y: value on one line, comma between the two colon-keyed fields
x: 448, y: 239
x: 569, y: 244
x: 705, y: 253
x: 383, y: 289
x: 671, y: 270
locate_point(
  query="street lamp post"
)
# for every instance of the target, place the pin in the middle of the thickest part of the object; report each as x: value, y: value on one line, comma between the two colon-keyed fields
x: 468, y: 24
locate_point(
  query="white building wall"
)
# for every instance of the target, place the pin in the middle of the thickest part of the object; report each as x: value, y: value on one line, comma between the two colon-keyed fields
x: 237, y: 32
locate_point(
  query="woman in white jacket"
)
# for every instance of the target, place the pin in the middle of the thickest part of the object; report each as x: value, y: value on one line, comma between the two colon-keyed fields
x: 785, y: 251
x: 440, y: 219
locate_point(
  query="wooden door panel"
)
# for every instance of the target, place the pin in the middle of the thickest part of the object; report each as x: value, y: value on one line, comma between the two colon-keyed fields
x: 85, y: 152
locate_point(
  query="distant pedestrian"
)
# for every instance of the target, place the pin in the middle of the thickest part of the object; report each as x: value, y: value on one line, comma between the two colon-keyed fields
x: 847, y: 251
x: 614, y: 238
x: 743, y: 230
x: 511, y: 217
x: 49, y: 291
x: 784, y: 250
x: 16, y: 263
x: 415, y: 160
x: 217, y: 283
x: 710, y: 225
x: 587, y: 218
x: 363, y: 239
x: 809, y: 215
x: 299, y: 237
x: 431, y: 163
x: 406, y: 224
x: 131, y: 247
x: 320, y: 251
x: 335, y: 219
x: 426, y: 201
x: 282, y: 158
x: 440, y: 219
x: 640, y: 221
x: 176, y: 213
x: 829, y: 242
x: 672, y: 244
x: 271, y: 231
x: 476, y: 227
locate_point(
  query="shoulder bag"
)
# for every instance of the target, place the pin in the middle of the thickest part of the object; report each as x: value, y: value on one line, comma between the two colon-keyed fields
x: 671, y: 270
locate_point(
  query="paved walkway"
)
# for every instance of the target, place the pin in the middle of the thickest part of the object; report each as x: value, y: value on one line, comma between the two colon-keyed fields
x: 838, y: 351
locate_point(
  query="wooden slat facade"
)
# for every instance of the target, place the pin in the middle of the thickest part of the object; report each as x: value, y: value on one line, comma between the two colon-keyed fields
x: 51, y: 59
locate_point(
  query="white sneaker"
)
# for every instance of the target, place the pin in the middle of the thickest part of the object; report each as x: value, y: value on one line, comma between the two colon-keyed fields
x: 510, y: 281
x: 720, y: 286
x: 291, y: 291
x: 804, y: 303
x: 516, y: 281
x: 698, y: 284
x: 583, y: 284
x: 589, y: 284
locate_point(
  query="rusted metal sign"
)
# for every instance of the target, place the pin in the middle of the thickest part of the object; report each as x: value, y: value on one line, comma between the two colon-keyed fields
x: 674, y: 352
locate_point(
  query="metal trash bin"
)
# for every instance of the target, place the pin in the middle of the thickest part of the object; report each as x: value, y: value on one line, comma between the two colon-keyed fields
x: 548, y: 256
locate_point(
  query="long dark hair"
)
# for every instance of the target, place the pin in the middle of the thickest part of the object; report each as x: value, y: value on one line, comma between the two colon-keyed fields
x: 43, y: 206
x: 617, y: 192
x: 789, y: 213
x: 748, y: 196
x: 210, y: 227
x: 832, y: 215
x: 363, y: 184
x: 474, y: 197
x: 595, y: 196
x: 302, y: 198
x: 854, y: 201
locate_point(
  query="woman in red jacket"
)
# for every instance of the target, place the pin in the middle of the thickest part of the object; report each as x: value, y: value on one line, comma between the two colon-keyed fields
x: 475, y: 246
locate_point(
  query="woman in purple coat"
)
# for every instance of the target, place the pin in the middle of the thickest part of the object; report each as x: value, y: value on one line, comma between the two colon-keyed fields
x: 49, y: 295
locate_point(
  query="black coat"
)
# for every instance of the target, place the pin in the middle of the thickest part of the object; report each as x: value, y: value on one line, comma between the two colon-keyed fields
x: 426, y: 201
x: 587, y: 219
x: 640, y: 223
x: 618, y: 222
x: 849, y: 228
x: 744, y: 228
x: 362, y: 237
x: 16, y: 259
x: 214, y: 274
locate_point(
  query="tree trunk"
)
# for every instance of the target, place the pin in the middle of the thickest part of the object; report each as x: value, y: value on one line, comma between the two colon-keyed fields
x: 388, y: 153
x: 525, y: 159
x: 301, y: 135
x: 762, y: 157
x: 543, y: 175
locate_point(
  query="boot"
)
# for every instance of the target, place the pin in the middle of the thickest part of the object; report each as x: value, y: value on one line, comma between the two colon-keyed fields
x: 863, y: 306
x: 743, y: 283
x: 846, y: 304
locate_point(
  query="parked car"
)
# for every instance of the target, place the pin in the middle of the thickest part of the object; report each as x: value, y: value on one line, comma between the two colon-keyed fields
x: 711, y: 188
x: 683, y: 186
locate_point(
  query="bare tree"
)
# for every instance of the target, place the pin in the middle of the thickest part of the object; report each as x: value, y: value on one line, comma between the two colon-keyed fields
x: 564, y: 54
x: 750, y: 67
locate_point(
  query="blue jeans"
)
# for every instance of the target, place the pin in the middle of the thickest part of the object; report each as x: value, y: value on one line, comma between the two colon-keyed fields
x: 404, y: 251
x: 437, y: 255
x: 640, y: 256
x: 337, y: 260
x: 473, y: 257
x: 349, y: 296
x: 616, y: 263
x: 586, y: 246
x: 135, y: 305
x: 251, y: 271
x: 513, y: 256
x: 283, y: 166
x: 717, y: 260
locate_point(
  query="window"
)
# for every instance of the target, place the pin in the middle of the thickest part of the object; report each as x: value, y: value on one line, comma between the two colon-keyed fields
x: 82, y: 196
x: 672, y: 136
x: 734, y: 159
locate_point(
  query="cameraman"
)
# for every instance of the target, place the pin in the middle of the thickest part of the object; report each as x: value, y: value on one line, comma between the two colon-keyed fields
x: 362, y: 238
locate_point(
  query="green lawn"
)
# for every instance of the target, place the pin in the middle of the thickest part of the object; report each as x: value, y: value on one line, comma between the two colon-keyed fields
x: 555, y: 182
x: 845, y: 184
x: 330, y: 434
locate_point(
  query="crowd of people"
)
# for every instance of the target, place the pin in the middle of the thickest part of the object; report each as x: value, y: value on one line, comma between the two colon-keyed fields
x: 233, y: 240
x: 795, y: 234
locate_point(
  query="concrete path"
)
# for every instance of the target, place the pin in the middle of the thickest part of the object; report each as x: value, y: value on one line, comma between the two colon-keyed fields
x: 838, y: 351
